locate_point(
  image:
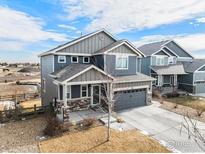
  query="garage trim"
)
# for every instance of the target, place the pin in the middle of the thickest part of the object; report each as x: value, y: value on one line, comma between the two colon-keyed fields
x: 130, y: 88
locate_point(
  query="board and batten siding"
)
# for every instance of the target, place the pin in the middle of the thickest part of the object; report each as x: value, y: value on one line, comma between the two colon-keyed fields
x: 47, y: 64
x: 90, y: 45
x: 91, y: 75
x: 123, y: 49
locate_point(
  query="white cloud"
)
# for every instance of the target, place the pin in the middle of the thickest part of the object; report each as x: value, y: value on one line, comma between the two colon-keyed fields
x: 193, y: 43
x: 67, y: 27
x: 200, y: 20
x: 16, y: 25
x: 120, y: 16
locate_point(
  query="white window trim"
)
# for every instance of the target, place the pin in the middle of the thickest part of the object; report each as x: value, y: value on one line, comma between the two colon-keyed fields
x: 121, y: 56
x: 64, y: 57
x: 84, y: 60
x: 72, y: 59
x: 82, y: 91
x: 160, y: 57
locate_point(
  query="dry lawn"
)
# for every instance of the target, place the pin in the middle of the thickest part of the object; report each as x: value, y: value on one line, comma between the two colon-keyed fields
x: 94, y: 140
x: 193, y: 102
x: 31, y: 103
x: 21, y: 136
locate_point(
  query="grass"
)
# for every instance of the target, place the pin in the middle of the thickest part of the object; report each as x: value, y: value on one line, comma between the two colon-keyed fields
x: 30, y: 104
x: 193, y: 102
x: 94, y: 140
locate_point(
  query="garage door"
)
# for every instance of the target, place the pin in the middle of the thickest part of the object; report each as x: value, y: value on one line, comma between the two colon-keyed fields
x: 130, y: 99
x: 200, y: 88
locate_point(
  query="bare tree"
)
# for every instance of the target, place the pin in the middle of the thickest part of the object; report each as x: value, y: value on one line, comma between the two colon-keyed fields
x: 190, y: 126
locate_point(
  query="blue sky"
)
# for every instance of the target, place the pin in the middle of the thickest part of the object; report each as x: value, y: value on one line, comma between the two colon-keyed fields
x: 29, y: 27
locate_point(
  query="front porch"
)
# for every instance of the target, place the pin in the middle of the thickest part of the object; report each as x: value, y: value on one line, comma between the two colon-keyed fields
x: 167, y: 76
x: 81, y: 88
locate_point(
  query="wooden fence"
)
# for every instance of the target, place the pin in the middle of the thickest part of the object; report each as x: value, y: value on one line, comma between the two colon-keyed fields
x: 19, y: 97
x: 19, y: 113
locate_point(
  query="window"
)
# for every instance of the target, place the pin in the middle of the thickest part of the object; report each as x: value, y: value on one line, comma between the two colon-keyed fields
x: 86, y: 60
x: 84, y: 91
x: 61, y: 59
x: 68, y: 92
x: 74, y: 59
x: 160, y: 61
x: 44, y: 85
x: 122, y: 62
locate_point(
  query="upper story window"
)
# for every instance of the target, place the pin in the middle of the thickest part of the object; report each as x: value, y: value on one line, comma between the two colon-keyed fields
x: 121, y: 62
x: 74, y: 59
x: 86, y: 60
x: 160, y: 61
x: 61, y: 59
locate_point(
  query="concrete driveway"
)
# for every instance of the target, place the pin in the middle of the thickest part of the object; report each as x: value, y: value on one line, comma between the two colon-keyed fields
x: 163, y: 126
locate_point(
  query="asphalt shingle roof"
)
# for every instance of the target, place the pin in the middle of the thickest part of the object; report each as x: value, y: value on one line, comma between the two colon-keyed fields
x: 170, y: 69
x: 190, y: 67
x: 69, y: 71
x: 133, y: 78
x: 149, y: 49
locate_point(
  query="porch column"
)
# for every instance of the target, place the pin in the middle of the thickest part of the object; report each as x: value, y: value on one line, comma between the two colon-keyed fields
x: 64, y: 95
x: 160, y: 80
x: 175, y: 79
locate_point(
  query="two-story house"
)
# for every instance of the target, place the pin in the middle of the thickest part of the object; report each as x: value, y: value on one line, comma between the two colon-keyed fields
x: 79, y: 69
x: 173, y: 66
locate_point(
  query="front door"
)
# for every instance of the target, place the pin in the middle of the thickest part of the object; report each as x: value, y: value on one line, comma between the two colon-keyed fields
x: 96, y: 92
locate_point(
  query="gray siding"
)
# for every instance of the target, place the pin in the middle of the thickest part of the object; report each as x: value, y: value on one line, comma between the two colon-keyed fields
x: 199, y: 76
x: 187, y: 78
x: 50, y: 88
x: 111, y: 62
x: 98, y: 61
x: 177, y: 49
x: 145, y: 65
x: 90, y: 45
x: 122, y: 49
x: 91, y: 75
x: 59, y: 66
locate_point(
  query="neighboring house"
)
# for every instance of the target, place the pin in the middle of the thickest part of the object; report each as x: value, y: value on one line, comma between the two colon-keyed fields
x: 169, y: 63
x: 77, y: 70
x: 194, y: 81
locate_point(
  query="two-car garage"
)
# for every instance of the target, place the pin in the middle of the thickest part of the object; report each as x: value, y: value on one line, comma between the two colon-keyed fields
x: 130, y: 99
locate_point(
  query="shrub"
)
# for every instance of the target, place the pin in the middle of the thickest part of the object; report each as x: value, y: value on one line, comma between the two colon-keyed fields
x: 88, y: 122
x: 54, y: 127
